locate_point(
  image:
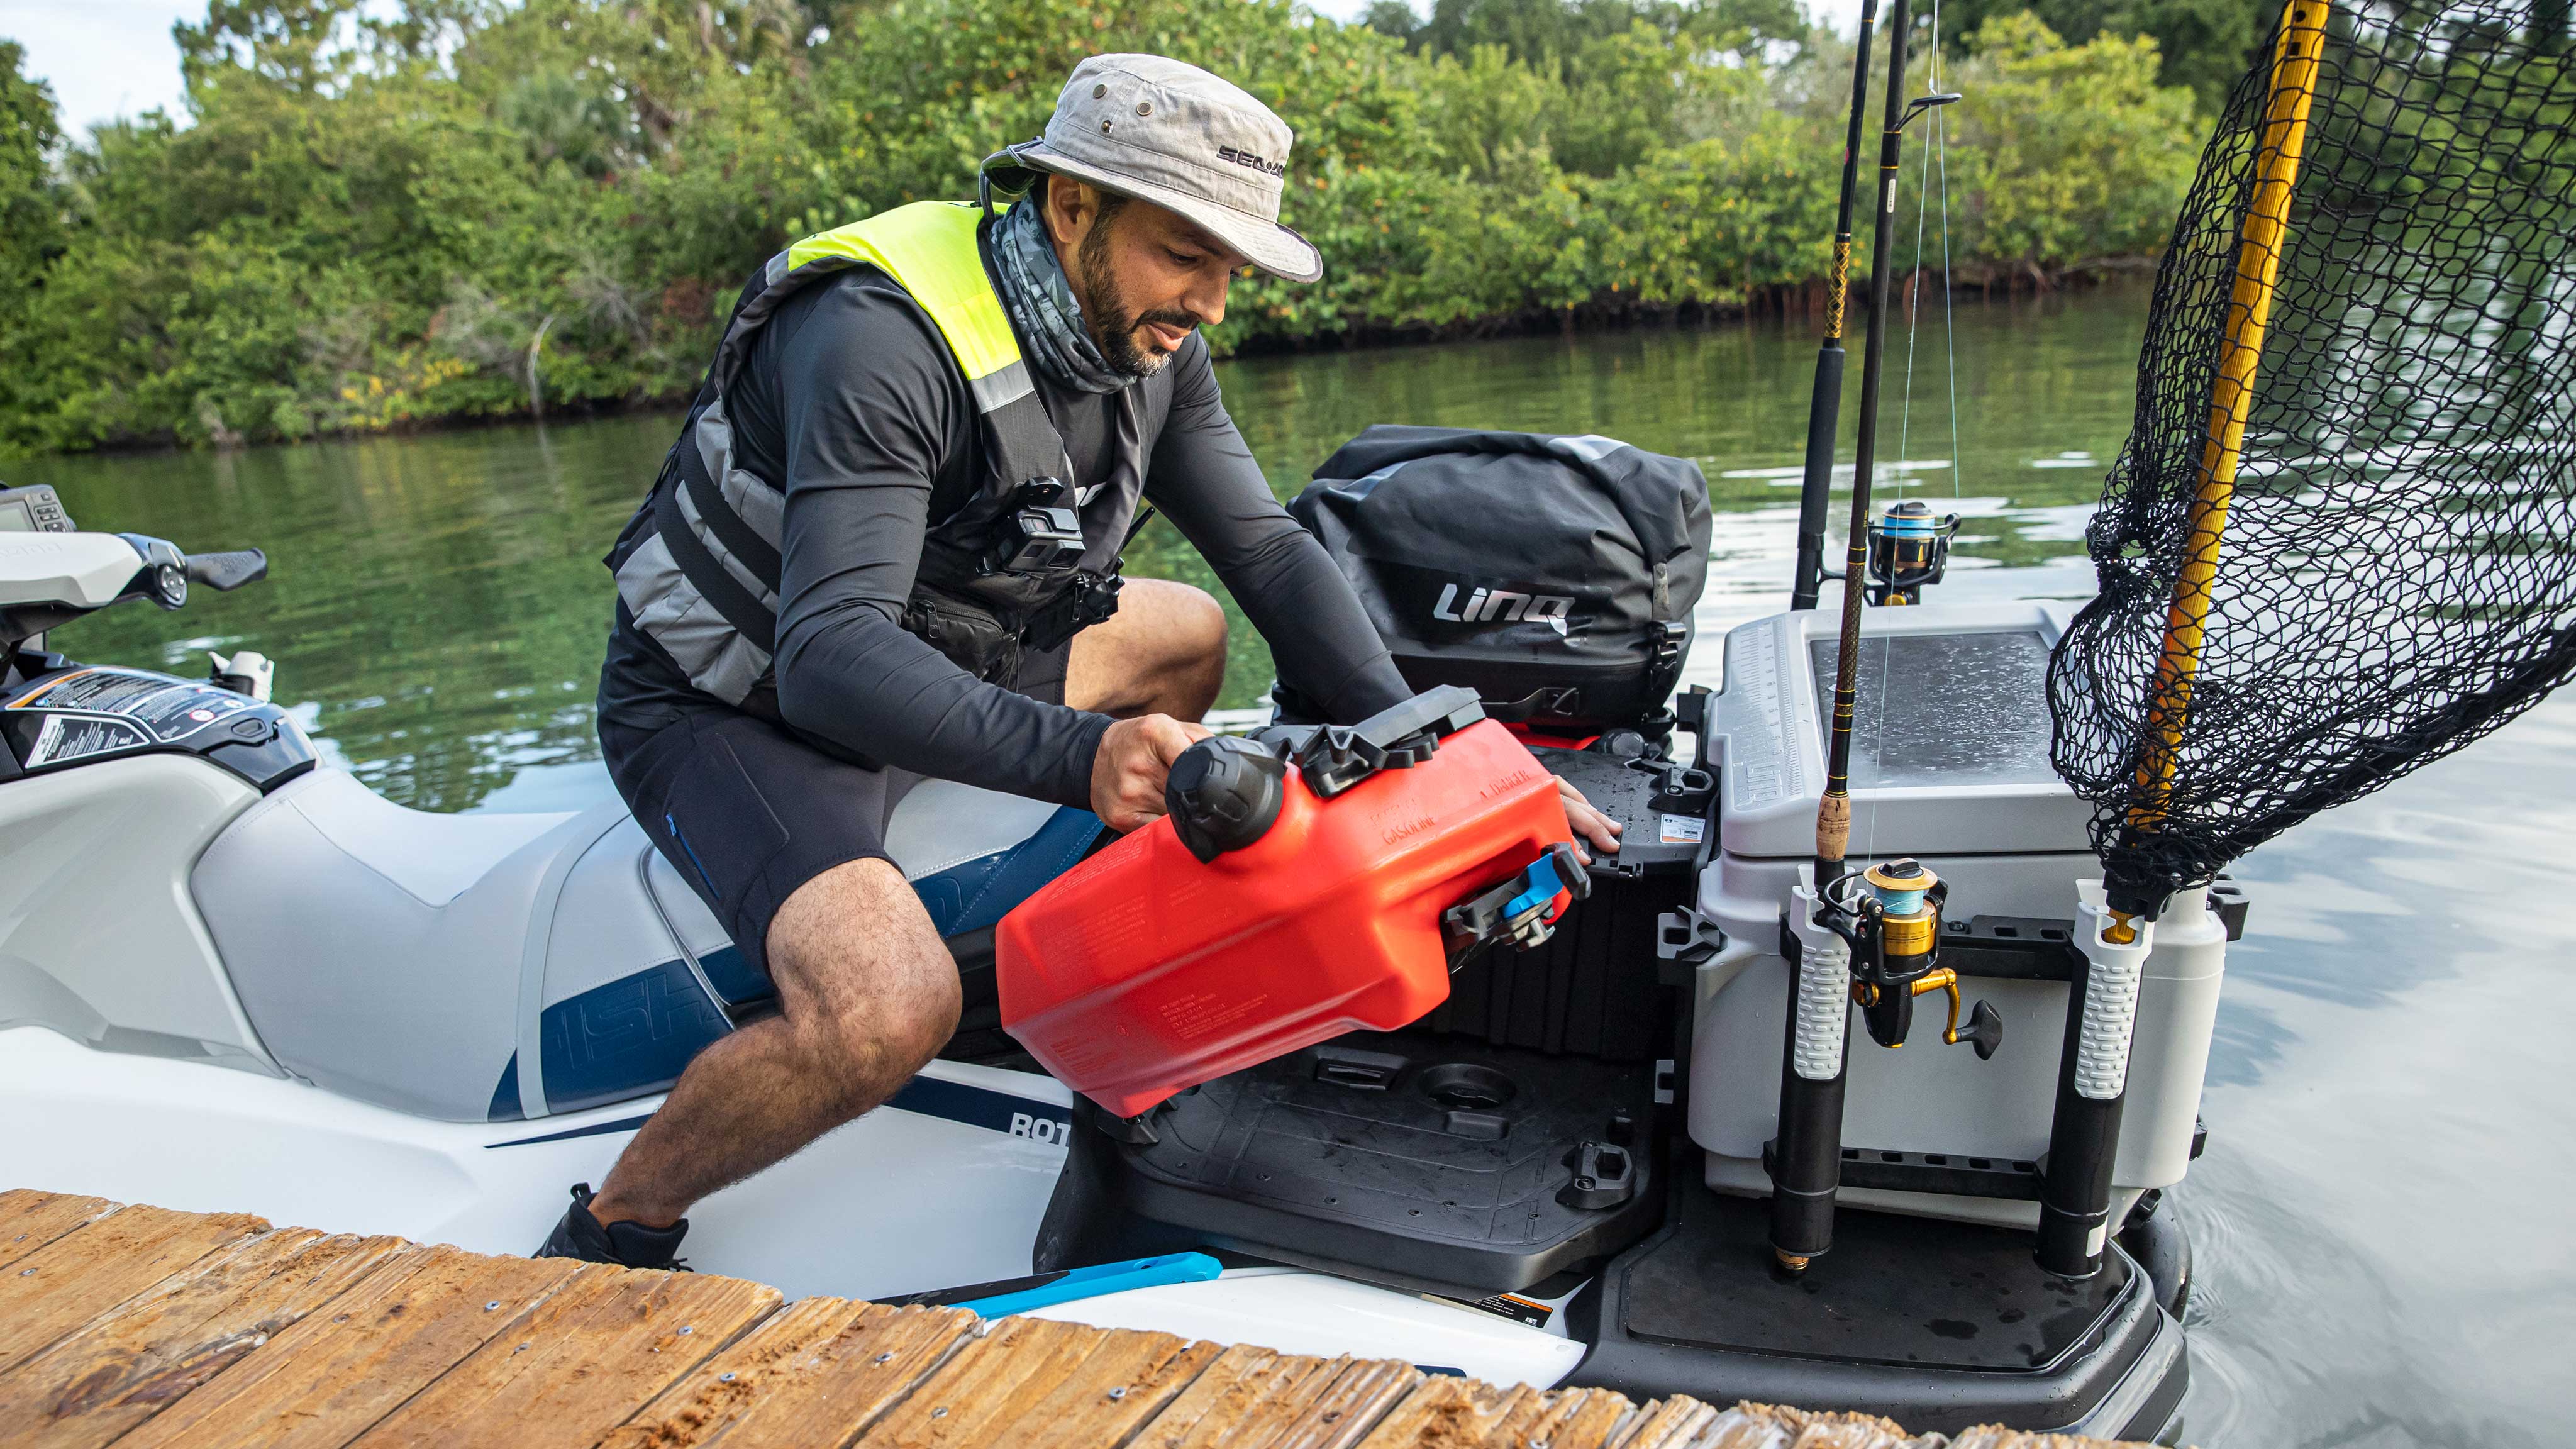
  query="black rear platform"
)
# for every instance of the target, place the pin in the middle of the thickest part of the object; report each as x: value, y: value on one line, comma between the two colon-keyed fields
x: 1938, y: 1325
x: 1424, y: 1162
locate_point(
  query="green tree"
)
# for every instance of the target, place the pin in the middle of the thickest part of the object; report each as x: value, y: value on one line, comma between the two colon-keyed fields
x: 2205, y: 44
x: 31, y: 233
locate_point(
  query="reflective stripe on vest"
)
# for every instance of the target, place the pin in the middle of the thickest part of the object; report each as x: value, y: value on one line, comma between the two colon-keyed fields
x: 705, y: 585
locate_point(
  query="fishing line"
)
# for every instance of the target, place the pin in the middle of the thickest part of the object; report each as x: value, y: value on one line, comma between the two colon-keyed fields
x: 1949, y: 322
x: 1950, y: 348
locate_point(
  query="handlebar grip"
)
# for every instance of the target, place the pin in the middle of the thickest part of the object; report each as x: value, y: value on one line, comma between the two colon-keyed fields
x: 224, y: 572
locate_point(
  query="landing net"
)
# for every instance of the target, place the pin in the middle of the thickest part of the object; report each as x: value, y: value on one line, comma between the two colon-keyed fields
x: 2390, y: 572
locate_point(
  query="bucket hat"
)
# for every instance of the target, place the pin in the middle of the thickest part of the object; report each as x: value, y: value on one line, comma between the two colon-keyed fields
x: 1161, y: 130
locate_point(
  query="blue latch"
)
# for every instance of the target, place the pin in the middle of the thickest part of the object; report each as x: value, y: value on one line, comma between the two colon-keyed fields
x: 1539, y: 886
x: 1098, y: 1279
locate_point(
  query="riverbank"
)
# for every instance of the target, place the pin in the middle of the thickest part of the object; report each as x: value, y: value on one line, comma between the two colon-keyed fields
x: 548, y: 207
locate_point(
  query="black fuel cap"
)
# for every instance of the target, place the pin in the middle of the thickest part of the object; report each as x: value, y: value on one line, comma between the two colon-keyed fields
x: 1223, y: 794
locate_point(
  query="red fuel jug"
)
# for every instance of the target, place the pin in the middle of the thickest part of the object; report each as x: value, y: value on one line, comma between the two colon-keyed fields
x: 1292, y: 894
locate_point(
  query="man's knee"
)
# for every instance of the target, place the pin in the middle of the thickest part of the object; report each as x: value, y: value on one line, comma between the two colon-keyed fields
x: 863, y: 977
x: 1196, y: 620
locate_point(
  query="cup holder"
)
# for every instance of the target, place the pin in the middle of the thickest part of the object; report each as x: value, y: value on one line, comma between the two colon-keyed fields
x: 1466, y: 1086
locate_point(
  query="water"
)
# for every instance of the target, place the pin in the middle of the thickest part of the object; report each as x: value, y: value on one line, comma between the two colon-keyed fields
x: 2381, y: 1217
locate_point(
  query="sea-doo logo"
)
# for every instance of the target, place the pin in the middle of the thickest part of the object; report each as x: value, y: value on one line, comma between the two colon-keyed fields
x: 1262, y: 164
x: 1495, y: 604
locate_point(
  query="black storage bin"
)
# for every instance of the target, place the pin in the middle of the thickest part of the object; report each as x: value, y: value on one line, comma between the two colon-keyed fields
x: 1553, y: 575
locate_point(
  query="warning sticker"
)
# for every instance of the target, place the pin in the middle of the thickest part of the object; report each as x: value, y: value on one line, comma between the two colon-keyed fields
x: 162, y: 707
x: 72, y: 736
x: 1511, y: 1306
x: 1684, y: 830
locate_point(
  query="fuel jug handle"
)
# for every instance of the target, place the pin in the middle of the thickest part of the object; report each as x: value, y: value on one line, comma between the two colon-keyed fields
x: 1333, y: 758
x: 1442, y: 710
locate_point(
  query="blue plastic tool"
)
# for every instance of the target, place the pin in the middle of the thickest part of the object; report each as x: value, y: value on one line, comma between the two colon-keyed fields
x: 1098, y: 1279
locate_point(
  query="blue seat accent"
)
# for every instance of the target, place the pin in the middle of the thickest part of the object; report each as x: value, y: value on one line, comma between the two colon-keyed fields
x: 974, y: 895
x: 505, y: 1097
x: 628, y: 1038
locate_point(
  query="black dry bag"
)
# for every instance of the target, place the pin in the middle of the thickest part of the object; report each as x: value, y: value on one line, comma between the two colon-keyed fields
x: 1553, y: 575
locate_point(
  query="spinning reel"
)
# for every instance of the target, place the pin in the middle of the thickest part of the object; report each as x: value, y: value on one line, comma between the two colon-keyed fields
x: 1891, y: 915
x: 1908, y: 548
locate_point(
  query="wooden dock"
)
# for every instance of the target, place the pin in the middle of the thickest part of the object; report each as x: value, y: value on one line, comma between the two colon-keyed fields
x: 142, y: 1327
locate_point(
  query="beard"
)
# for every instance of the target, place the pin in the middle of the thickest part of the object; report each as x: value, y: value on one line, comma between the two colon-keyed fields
x: 1111, y: 321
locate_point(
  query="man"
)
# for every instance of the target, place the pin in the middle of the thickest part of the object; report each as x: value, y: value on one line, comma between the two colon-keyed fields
x: 871, y: 557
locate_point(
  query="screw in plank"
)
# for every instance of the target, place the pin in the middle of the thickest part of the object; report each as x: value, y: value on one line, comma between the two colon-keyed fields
x: 495, y: 1303
x: 30, y: 1273
x: 881, y: 1358
x: 939, y: 1413
x: 688, y: 1328
x: 1117, y: 1393
x: 724, y: 1378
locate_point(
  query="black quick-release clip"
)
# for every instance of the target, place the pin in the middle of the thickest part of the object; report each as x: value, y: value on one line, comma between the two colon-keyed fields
x: 1333, y: 758
x: 1521, y: 910
x: 1041, y: 534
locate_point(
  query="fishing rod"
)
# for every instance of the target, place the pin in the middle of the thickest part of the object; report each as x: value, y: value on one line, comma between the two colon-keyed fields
x: 1807, y: 1155
x: 1824, y: 408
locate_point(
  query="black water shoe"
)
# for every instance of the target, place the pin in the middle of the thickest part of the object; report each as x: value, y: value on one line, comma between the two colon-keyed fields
x: 629, y: 1245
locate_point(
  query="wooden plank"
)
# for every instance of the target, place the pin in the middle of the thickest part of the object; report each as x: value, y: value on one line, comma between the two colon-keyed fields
x: 815, y: 1376
x: 1352, y: 1404
x: 99, y: 1265
x: 990, y: 1383
x: 1673, y: 1423
x: 1455, y: 1413
x: 1127, y: 1379
x: 577, y: 1365
x: 31, y: 1219
x: 1582, y: 1419
x: 130, y: 1364
x: 328, y: 1379
x: 1257, y: 1398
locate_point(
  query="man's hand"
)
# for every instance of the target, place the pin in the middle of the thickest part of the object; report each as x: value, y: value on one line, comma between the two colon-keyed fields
x: 1128, y: 771
x: 1589, y: 823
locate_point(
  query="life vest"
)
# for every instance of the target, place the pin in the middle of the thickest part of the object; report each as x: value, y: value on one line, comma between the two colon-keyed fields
x: 1022, y: 565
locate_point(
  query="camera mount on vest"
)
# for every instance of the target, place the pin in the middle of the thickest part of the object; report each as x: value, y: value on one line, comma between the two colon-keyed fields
x: 1041, y: 533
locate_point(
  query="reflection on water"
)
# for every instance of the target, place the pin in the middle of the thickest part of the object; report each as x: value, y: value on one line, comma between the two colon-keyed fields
x: 2379, y: 1219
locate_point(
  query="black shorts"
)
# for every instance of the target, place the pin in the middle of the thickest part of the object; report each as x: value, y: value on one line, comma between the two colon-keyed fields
x: 747, y: 811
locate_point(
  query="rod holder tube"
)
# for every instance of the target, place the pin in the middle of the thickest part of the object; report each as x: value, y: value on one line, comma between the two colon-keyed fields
x: 2092, y: 1089
x: 1807, y: 1154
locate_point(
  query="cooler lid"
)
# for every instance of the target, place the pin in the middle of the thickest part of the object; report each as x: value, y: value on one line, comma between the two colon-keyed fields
x: 1949, y: 744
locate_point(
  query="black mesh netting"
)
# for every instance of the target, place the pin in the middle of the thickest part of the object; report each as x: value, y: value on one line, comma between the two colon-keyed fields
x: 2398, y: 568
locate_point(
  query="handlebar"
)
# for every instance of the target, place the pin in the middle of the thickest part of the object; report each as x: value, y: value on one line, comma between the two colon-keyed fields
x: 225, y: 572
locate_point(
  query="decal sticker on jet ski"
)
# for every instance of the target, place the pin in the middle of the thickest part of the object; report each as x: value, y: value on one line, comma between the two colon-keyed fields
x: 983, y: 1107
x: 61, y: 737
x: 1506, y: 1305
x: 167, y: 709
x: 1684, y: 829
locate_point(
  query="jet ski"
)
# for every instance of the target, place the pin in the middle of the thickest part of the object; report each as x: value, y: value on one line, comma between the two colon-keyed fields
x: 232, y: 977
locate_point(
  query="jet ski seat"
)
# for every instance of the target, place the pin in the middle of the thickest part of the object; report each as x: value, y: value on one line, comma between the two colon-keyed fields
x: 418, y: 961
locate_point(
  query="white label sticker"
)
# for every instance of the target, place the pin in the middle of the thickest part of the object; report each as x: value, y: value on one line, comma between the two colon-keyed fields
x: 1684, y: 829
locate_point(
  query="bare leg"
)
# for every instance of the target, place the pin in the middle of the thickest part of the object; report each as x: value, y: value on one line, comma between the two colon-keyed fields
x: 1163, y: 652
x: 866, y: 995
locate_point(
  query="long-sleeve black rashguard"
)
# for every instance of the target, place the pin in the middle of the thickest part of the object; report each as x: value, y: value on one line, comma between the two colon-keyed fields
x: 850, y: 397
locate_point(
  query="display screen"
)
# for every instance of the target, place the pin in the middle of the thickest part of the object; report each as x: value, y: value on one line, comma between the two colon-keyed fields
x: 16, y: 516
